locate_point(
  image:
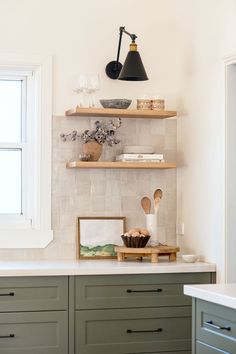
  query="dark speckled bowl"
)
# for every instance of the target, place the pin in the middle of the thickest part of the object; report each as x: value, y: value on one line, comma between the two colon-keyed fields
x: 119, y: 103
x: 135, y: 242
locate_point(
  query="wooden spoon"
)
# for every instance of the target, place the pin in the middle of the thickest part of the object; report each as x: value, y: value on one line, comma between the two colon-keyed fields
x: 146, y: 205
x: 156, y: 204
x: 158, y: 194
x: 157, y: 198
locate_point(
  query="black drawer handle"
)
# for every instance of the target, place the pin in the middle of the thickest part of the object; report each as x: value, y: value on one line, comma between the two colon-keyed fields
x: 211, y: 324
x: 144, y: 291
x: 145, y: 331
x: 8, y: 294
x: 9, y: 336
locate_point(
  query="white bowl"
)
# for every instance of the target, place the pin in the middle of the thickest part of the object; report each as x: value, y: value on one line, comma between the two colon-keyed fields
x: 138, y: 149
x: 189, y: 258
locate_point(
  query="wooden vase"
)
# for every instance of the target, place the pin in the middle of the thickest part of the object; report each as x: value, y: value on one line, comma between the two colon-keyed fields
x: 93, y: 149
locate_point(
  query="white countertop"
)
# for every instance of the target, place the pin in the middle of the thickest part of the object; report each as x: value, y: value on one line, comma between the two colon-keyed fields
x: 96, y: 267
x: 221, y: 294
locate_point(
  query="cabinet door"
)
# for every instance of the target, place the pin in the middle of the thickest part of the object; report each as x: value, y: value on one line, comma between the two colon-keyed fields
x: 34, y: 333
x: 33, y: 293
x: 141, y: 330
x: 202, y: 348
x: 216, y: 325
x: 172, y: 352
x: 125, y: 291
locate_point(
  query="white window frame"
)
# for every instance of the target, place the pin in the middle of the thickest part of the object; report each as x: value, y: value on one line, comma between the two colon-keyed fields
x: 38, y: 233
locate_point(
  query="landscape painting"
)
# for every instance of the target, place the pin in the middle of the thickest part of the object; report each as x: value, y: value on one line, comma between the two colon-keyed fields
x: 98, y: 236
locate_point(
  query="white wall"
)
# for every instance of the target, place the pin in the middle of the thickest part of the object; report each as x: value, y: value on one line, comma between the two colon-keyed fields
x: 83, y: 37
x: 205, y: 35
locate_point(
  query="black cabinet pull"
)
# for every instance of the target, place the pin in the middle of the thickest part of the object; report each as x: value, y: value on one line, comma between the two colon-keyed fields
x: 211, y: 324
x: 144, y: 291
x: 9, y: 336
x: 8, y: 294
x: 145, y: 331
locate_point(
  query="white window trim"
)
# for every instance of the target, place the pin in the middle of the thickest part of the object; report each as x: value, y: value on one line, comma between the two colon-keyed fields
x: 228, y: 60
x: 41, y: 234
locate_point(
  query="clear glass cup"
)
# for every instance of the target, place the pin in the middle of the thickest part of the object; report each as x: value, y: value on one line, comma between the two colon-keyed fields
x: 93, y: 86
x: 81, y: 88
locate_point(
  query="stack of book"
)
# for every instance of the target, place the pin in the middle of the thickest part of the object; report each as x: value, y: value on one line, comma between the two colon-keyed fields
x: 140, y: 158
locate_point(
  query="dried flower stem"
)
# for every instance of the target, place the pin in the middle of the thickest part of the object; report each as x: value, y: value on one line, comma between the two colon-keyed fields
x: 103, y: 133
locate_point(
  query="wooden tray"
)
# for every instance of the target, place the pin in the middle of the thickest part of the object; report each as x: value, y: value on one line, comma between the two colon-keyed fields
x: 152, y: 252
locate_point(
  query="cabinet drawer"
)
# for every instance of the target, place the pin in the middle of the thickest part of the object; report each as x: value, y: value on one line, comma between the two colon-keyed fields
x: 202, y: 348
x: 140, y: 330
x: 34, y: 333
x: 173, y: 352
x: 33, y: 293
x: 216, y: 325
x: 123, y: 291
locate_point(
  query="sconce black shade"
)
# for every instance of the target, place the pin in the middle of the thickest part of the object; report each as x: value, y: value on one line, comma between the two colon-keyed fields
x: 133, y: 69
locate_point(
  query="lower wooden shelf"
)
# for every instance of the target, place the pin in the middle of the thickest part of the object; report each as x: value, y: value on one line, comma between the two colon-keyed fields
x: 120, y: 165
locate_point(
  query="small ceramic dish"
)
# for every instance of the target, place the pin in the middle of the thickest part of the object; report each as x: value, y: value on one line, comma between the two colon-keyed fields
x: 189, y: 258
x: 119, y: 103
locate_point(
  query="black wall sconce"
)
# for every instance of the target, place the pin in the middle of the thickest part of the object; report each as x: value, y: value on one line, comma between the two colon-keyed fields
x: 133, y: 69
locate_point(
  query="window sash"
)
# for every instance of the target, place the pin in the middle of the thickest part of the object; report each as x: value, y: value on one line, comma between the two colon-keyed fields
x: 26, y: 162
x: 11, y: 182
x: 23, y: 80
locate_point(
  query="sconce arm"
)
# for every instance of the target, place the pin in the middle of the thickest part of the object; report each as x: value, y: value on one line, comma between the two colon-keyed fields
x: 132, y: 36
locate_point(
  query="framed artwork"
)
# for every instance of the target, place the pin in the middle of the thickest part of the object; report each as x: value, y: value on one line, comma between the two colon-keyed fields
x: 98, y: 236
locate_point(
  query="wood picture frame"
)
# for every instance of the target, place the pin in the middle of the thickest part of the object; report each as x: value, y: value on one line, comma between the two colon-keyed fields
x: 97, y: 236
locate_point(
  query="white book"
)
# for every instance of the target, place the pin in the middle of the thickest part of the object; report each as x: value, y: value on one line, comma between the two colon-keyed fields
x: 134, y: 157
x: 142, y: 160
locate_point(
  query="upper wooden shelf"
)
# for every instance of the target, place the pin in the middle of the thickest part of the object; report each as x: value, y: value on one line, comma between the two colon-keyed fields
x: 116, y: 165
x: 122, y: 113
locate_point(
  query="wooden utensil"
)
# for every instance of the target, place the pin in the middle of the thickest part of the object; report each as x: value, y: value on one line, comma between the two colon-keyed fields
x: 146, y: 205
x: 158, y: 194
x: 157, y: 198
x: 156, y: 204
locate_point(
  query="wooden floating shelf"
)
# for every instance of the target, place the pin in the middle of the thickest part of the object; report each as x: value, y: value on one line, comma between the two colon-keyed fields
x: 120, y: 165
x: 122, y: 113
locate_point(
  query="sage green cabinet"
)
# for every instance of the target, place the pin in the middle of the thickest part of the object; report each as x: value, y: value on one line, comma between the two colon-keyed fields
x: 102, y: 314
x: 174, y: 352
x: 124, y: 291
x: 133, y: 330
x: 34, y: 332
x: 34, y: 315
x: 134, y: 314
x: 33, y: 293
x: 215, y: 328
x: 202, y: 348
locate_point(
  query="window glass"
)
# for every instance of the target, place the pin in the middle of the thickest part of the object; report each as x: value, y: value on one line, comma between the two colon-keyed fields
x: 10, y: 182
x: 10, y: 110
